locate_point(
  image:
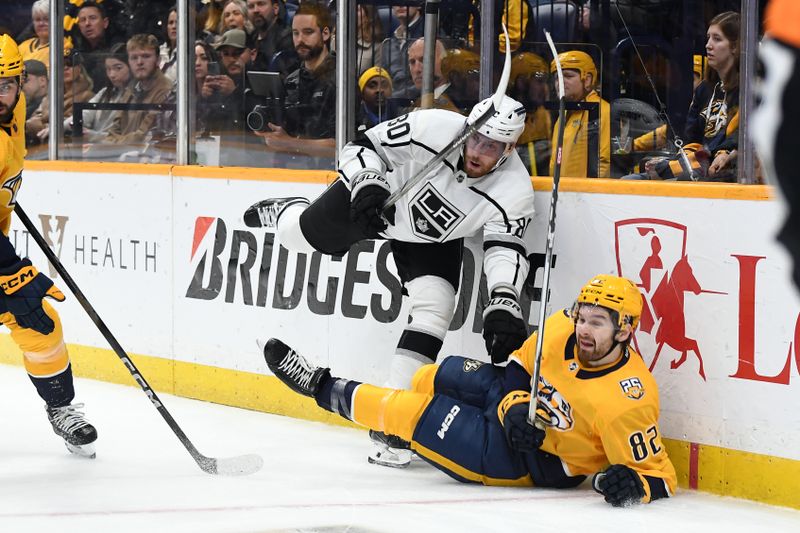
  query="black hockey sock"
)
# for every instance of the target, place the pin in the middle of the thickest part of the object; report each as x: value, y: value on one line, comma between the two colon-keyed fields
x: 336, y: 396
x: 56, y: 391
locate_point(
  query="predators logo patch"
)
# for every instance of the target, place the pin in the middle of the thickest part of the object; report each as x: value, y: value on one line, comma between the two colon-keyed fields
x: 552, y: 408
x: 632, y: 388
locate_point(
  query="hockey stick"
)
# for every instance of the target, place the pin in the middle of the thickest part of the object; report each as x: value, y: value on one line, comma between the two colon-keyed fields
x: 463, y: 135
x: 229, y: 466
x: 551, y: 233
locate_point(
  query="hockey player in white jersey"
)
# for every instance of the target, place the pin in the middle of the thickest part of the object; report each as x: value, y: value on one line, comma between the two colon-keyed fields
x: 482, y: 187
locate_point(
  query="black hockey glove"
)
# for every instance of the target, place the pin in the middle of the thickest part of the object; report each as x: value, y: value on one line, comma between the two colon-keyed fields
x: 369, y: 191
x: 620, y: 485
x: 521, y: 436
x: 503, y: 327
x: 24, y: 288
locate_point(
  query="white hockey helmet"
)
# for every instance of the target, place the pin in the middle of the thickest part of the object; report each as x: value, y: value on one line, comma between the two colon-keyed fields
x: 506, y: 124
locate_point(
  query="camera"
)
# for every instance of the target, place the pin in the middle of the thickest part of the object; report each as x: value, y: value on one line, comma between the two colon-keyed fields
x: 261, y: 115
x: 269, y: 87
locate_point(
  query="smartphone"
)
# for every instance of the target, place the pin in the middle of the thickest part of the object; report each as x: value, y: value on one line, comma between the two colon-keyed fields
x: 213, y: 68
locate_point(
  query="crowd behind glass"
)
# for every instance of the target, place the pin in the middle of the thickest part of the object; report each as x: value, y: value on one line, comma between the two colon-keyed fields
x: 264, y: 80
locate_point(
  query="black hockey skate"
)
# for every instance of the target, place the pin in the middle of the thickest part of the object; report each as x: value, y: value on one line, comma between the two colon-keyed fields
x: 389, y: 450
x: 264, y: 214
x: 69, y: 424
x: 292, y: 368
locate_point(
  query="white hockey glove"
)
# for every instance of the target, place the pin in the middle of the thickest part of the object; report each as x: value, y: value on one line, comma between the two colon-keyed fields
x: 369, y: 191
x: 503, y: 327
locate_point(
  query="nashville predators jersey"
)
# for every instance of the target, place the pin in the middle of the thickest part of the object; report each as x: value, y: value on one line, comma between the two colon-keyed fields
x: 598, y: 416
x: 12, y: 153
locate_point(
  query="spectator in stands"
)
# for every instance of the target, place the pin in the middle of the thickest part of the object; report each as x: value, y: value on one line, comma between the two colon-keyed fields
x: 271, y: 34
x: 310, y: 90
x: 34, y: 85
x: 208, y: 104
x: 369, y: 37
x: 587, y: 135
x: 375, y: 85
x: 711, y: 136
x: 528, y: 85
x: 461, y: 69
x: 394, y: 55
x: 77, y: 88
x: 169, y: 48
x: 97, y: 123
x: 235, y: 16
x: 228, y: 87
x: 150, y: 86
x: 441, y: 100
x: 38, y: 47
x: 94, y: 41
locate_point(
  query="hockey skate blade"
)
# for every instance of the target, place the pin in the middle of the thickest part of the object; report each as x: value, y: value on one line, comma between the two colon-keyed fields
x: 86, y: 450
x: 241, y: 465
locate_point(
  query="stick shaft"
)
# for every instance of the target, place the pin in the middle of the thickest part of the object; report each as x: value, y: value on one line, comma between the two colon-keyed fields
x: 115, y: 345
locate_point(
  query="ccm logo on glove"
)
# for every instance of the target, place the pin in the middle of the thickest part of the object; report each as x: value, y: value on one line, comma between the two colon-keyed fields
x: 14, y: 282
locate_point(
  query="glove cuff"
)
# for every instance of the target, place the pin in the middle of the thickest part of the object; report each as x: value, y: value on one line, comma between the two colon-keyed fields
x: 17, y: 276
x: 503, y: 302
x: 511, y: 399
x: 367, y: 177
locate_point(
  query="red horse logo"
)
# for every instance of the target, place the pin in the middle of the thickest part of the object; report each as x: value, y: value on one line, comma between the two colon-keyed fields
x: 652, y: 253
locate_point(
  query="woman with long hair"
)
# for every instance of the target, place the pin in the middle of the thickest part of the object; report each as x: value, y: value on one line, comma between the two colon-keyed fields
x: 169, y: 48
x: 711, y: 137
x: 235, y: 16
x: 97, y: 122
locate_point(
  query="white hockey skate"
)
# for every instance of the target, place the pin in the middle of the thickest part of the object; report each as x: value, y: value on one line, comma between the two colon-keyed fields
x: 69, y: 424
x: 389, y: 450
x: 264, y: 214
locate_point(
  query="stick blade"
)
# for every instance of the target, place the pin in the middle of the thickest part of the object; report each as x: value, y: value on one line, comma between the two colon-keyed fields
x: 241, y: 465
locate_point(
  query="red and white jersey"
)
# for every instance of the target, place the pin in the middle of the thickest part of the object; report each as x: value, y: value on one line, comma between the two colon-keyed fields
x: 448, y: 205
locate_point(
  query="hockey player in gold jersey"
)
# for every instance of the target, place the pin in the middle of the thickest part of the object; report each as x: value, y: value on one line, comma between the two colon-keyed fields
x: 596, y: 400
x: 34, y: 324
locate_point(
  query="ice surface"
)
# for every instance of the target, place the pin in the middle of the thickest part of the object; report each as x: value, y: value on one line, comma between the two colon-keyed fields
x: 315, y: 478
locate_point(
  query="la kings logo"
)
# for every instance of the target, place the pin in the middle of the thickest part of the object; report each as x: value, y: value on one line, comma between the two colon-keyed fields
x: 433, y: 218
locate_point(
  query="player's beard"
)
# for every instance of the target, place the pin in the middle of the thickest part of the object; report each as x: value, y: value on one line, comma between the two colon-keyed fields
x: 593, y: 353
x: 6, y: 113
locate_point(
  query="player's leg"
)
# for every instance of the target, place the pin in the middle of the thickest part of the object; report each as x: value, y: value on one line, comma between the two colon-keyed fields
x: 323, y: 225
x: 469, y: 381
x: 430, y: 274
x: 378, y: 408
x: 48, y: 366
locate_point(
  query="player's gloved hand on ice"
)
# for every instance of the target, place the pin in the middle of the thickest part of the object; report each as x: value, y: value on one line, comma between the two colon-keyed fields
x: 503, y: 327
x: 369, y: 191
x: 24, y: 288
x: 521, y: 435
x: 620, y: 485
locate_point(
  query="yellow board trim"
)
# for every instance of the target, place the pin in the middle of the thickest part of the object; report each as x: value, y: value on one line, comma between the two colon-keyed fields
x: 722, y: 471
x: 726, y: 472
x: 724, y: 191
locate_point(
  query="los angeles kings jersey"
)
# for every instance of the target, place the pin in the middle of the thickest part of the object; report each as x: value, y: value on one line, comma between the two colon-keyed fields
x: 600, y: 416
x: 448, y: 205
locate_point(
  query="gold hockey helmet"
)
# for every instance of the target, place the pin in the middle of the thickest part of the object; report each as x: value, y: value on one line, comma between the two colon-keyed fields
x: 460, y: 60
x: 577, y: 60
x: 10, y: 59
x: 615, y: 293
x: 527, y: 63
